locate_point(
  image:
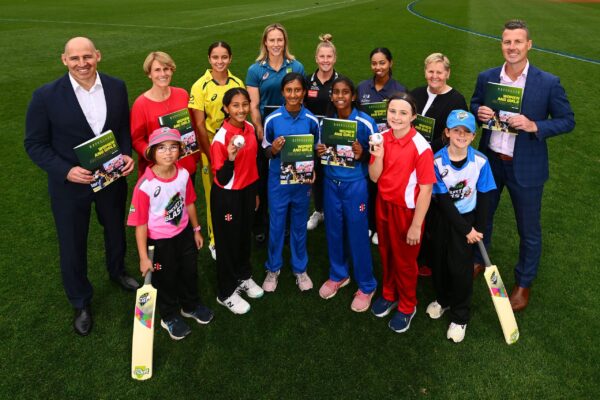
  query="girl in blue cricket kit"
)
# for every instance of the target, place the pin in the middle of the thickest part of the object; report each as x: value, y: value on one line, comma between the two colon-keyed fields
x: 461, y: 199
x: 346, y: 203
x: 289, y: 119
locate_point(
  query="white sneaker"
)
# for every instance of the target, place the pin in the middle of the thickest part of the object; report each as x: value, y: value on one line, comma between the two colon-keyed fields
x: 213, y: 251
x: 435, y: 310
x: 375, y: 239
x: 314, y: 220
x: 303, y: 281
x: 456, y: 332
x: 235, y: 303
x: 270, y: 283
x: 251, y: 289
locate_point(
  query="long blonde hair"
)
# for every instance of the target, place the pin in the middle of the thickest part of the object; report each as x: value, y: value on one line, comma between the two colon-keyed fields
x: 264, y: 53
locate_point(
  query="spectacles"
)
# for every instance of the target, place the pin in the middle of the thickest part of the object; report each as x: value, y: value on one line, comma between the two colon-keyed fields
x: 165, y: 148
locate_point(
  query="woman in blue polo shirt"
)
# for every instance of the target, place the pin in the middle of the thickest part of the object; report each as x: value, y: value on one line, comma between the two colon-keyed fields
x: 290, y: 119
x: 382, y: 85
x: 263, y: 83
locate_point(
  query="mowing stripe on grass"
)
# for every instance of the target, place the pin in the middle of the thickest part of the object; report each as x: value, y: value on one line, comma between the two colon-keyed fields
x: 411, y: 8
x: 177, y: 27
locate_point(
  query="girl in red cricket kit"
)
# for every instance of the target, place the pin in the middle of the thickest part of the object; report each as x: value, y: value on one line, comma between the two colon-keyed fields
x: 402, y: 167
x: 233, y: 201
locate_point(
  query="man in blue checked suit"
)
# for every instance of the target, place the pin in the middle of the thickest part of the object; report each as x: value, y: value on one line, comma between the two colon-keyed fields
x: 520, y: 162
x: 61, y: 115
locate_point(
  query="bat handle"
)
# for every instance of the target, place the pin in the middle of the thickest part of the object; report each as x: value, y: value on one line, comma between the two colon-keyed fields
x: 484, y: 254
x: 148, y: 278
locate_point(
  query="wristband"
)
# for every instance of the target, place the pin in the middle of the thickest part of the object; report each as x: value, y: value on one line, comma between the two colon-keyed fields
x: 197, y: 229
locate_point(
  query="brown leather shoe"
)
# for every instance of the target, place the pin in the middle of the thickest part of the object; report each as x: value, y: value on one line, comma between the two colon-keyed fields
x: 477, y: 270
x: 519, y: 298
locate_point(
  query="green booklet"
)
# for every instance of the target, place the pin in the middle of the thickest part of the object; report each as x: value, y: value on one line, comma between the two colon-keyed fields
x: 506, y: 102
x: 102, y: 156
x: 425, y: 125
x: 338, y: 135
x: 377, y: 111
x: 297, y: 161
x: 181, y: 121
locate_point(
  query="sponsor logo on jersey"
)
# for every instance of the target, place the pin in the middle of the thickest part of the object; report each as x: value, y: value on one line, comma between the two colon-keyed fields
x: 131, y: 209
x: 157, y: 191
x: 265, y: 76
x: 214, y: 97
x: 313, y: 93
x: 460, y: 190
x: 228, y: 217
x: 174, y: 210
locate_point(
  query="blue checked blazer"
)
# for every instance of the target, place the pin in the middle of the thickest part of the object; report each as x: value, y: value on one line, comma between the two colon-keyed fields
x: 544, y: 102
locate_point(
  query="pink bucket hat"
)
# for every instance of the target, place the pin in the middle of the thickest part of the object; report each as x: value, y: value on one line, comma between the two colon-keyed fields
x: 161, y: 135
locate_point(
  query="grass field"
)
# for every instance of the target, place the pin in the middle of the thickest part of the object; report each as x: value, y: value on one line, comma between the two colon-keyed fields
x: 294, y: 345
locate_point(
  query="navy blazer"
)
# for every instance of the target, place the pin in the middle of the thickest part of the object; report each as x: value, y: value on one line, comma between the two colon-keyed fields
x: 55, y: 124
x: 544, y: 102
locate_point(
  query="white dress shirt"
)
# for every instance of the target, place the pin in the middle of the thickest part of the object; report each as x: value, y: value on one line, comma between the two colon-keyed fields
x: 503, y: 142
x: 92, y: 102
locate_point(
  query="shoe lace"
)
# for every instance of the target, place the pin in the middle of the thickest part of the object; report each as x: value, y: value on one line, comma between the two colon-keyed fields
x: 271, y: 276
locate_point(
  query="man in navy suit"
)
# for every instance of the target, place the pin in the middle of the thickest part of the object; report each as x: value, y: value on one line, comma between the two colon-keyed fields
x: 61, y: 115
x: 520, y: 162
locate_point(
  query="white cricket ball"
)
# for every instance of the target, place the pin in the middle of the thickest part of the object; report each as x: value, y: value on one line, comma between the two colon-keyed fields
x: 376, y: 138
x: 239, y: 141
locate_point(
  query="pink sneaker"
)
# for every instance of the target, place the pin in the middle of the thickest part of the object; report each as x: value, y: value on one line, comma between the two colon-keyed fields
x: 330, y: 288
x: 303, y: 281
x: 361, y: 301
x: 270, y: 283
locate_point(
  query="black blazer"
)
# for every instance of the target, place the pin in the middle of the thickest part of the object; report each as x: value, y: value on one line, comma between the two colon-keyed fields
x: 55, y: 124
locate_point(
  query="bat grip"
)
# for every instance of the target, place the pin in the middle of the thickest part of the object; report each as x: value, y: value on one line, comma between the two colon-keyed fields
x: 484, y: 254
x: 148, y: 278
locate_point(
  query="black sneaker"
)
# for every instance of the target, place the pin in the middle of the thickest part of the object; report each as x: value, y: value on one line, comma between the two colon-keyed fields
x: 176, y: 327
x: 202, y: 315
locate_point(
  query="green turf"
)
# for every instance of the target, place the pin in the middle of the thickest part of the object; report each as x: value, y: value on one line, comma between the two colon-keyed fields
x: 294, y: 345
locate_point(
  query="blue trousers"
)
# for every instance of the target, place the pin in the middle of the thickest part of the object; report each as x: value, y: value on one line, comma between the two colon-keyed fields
x: 527, y: 204
x: 296, y: 199
x: 347, y: 230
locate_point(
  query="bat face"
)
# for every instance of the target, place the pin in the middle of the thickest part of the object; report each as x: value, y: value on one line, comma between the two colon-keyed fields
x: 502, y: 304
x: 143, y: 333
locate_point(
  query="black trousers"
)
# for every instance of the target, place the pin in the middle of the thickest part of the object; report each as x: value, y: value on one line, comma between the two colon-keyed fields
x: 452, y: 267
x: 177, y: 280
x: 232, y: 214
x: 72, y: 210
x: 372, y: 186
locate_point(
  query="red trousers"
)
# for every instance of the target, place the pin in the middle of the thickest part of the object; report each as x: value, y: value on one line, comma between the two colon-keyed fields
x: 398, y: 259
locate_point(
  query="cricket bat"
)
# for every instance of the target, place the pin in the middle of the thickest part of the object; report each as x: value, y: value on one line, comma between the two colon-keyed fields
x: 143, y: 327
x: 500, y: 298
